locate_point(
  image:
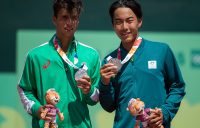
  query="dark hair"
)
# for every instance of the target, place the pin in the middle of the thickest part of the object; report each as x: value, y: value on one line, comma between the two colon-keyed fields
x: 69, y: 5
x: 132, y: 4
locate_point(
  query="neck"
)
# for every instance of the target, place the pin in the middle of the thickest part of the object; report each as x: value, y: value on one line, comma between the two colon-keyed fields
x: 65, y: 42
x: 128, y: 45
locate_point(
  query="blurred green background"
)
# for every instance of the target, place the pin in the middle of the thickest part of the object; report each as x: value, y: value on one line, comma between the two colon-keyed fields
x: 27, y: 24
x: 185, y: 46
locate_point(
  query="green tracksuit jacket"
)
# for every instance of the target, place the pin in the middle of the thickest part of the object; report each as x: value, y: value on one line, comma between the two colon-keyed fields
x: 151, y: 75
x: 44, y: 69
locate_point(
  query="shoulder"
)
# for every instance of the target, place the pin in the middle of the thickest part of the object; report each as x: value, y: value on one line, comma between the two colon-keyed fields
x: 155, y: 45
x: 39, y: 50
x: 86, y: 49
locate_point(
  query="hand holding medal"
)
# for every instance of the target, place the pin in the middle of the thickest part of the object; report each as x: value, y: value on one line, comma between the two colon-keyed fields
x: 81, y: 77
x: 80, y: 73
x: 116, y: 62
x: 83, y: 80
x: 108, y: 71
x: 84, y: 83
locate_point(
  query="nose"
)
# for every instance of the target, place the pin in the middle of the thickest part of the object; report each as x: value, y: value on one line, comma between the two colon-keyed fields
x: 69, y: 24
x: 69, y: 21
x: 125, y: 25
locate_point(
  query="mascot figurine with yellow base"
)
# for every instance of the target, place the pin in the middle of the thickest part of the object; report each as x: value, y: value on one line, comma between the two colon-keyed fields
x: 52, y: 98
x: 136, y: 108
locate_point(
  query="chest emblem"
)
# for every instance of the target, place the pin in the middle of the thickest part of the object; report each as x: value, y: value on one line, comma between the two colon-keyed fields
x: 46, y: 65
x: 152, y: 64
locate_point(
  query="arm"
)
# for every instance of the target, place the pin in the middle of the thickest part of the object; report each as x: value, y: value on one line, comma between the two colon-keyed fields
x: 26, y: 88
x: 107, y: 93
x: 175, y: 87
x: 92, y: 97
x: 60, y: 115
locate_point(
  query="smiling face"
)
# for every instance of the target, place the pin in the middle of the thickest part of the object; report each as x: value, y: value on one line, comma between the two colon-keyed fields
x: 136, y: 107
x: 66, y: 23
x: 126, y: 24
x: 52, y: 97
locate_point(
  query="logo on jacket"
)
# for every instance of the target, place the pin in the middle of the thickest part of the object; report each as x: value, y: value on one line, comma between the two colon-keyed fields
x: 152, y: 64
x: 45, y: 66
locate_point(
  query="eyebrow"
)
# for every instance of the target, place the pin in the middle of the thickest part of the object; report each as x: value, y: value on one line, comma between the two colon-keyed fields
x: 125, y: 19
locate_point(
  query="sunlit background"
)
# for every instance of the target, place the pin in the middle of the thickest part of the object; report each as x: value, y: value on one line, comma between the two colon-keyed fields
x: 25, y: 24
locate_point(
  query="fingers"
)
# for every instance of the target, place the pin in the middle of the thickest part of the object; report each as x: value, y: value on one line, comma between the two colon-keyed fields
x: 85, y: 80
x: 41, y: 112
x: 108, y: 71
x: 84, y: 84
x: 109, y: 67
x: 155, y: 118
x: 44, y: 114
x: 47, y: 117
x: 156, y: 122
x: 108, y: 75
x: 48, y: 106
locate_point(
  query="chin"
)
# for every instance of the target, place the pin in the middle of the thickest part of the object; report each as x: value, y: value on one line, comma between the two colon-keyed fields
x: 128, y: 40
x: 68, y: 34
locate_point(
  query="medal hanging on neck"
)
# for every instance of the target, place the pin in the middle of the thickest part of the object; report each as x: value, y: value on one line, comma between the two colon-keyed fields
x: 75, y: 55
x: 80, y: 71
x: 117, y: 61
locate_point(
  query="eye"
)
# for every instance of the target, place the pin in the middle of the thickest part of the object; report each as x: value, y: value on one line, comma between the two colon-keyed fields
x: 130, y: 20
x: 65, y: 17
x: 74, y: 18
x: 118, y: 22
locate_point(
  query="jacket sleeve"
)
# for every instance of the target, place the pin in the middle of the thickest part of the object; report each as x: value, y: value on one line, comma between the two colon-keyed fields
x: 107, y: 95
x: 175, y: 87
x: 93, y: 96
x: 27, y: 90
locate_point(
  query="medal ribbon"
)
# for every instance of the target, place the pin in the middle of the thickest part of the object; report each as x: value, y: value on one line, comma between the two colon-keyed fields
x: 63, y: 55
x: 131, y: 52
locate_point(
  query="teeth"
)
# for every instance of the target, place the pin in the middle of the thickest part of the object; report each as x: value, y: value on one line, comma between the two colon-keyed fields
x: 68, y: 29
x: 124, y: 34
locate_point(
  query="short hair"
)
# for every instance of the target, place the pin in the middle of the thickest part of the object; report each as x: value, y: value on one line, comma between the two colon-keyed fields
x: 132, y: 4
x: 69, y: 5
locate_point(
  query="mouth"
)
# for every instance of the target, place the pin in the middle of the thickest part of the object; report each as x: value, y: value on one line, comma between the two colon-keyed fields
x: 125, y: 34
x: 56, y: 101
x: 68, y: 29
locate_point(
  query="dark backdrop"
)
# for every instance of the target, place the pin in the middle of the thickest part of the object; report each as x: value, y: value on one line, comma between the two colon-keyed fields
x: 159, y: 15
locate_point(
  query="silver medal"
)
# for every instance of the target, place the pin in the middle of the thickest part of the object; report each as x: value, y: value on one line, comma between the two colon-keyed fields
x: 116, y: 62
x: 80, y: 73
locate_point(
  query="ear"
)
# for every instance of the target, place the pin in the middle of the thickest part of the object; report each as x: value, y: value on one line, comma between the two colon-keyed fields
x: 54, y: 20
x: 139, y: 23
x: 46, y: 97
x: 113, y: 26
